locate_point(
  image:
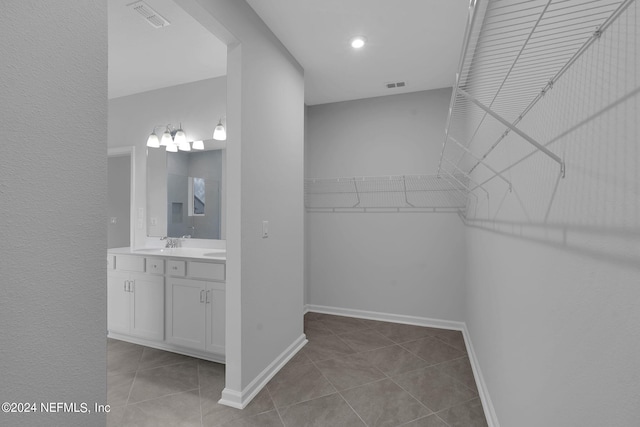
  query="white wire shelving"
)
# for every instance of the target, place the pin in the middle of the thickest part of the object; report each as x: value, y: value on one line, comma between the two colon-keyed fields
x: 513, y: 54
x: 402, y: 193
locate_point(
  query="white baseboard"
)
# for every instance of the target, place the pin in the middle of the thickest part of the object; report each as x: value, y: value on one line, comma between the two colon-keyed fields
x: 241, y: 399
x: 483, y: 392
x: 387, y: 317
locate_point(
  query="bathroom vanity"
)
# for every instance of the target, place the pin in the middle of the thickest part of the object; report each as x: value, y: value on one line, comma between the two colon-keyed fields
x: 168, y: 298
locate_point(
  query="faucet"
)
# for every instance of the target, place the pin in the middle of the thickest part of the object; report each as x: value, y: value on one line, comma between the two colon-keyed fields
x: 171, y: 243
x: 186, y: 236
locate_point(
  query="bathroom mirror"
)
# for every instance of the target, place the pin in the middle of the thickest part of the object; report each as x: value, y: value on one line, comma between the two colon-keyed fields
x: 185, y: 192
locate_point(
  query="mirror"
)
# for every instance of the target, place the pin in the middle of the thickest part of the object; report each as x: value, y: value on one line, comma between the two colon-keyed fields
x: 185, y: 192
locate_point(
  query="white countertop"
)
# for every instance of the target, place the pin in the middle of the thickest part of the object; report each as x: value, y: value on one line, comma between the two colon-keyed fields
x: 195, y: 253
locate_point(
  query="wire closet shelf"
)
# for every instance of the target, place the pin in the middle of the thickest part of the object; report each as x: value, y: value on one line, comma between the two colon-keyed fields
x: 513, y: 54
x: 404, y: 193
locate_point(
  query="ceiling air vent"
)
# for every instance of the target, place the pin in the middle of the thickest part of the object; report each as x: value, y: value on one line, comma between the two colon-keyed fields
x: 395, y: 85
x: 151, y: 16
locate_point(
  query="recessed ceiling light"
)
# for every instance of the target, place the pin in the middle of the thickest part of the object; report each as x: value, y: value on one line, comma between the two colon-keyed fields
x: 358, y: 41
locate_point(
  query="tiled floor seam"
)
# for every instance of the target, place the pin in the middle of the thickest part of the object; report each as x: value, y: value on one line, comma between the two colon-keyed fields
x: 354, y: 411
x: 458, y: 404
x: 274, y: 406
x: 131, y: 389
x: 200, y: 398
x: 165, y: 395
x: 457, y: 380
x: 418, y: 400
x: 340, y: 394
x: 386, y: 377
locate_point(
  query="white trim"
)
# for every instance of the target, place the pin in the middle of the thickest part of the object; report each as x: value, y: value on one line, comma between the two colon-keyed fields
x: 240, y: 400
x: 483, y: 391
x: 131, y: 152
x: 388, y: 317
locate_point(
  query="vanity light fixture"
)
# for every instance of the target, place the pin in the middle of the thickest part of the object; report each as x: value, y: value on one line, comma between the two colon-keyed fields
x: 172, y: 139
x: 358, y: 42
x: 220, y: 133
x: 198, y: 145
x: 180, y: 139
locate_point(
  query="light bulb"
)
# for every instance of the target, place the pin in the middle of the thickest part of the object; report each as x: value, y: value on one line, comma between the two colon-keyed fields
x: 166, y: 139
x: 153, y: 140
x: 180, y: 138
x: 219, y: 133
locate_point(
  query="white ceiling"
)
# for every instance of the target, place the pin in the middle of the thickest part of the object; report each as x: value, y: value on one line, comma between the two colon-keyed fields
x: 416, y: 41
x: 143, y: 58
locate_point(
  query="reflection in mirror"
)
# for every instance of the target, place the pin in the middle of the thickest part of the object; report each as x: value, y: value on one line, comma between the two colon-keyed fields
x: 197, y: 195
x: 184, y: 193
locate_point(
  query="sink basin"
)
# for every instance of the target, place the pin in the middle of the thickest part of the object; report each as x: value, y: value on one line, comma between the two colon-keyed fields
x: 155, y: 250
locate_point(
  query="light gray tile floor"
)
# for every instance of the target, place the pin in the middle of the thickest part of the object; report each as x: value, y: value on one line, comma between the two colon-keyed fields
x: 352, y: 372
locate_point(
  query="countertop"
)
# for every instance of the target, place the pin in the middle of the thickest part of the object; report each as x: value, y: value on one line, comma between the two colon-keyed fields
x: 205, y: 254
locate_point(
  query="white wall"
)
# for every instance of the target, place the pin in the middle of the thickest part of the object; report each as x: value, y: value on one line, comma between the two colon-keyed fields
x: 119, y: 201
x: 554, y: 276
x: 197, y: 105
x: 265, y: 182
x: 53, y: 87
x: 399, y: 263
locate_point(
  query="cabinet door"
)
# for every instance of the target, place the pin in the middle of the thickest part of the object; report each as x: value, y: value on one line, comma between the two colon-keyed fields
x: 186, y: 312
x: 118, y: 314
x: 147, y: 306
x: 215, y: 301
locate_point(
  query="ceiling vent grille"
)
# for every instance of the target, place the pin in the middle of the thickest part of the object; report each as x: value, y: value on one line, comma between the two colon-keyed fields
x: 395, y: 85
x: 152, y: 17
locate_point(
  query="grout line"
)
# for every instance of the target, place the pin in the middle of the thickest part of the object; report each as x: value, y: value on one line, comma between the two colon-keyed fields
x: 354, y: 411
x: 340, y: 394
x: 200, y: 396
x: 274, y: 406
x: 165, y: 395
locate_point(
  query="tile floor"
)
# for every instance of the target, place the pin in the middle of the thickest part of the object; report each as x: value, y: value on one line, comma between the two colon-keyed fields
x: 352, y: 372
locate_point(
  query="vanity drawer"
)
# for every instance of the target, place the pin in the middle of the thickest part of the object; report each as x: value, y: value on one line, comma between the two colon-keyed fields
x: 176, y: 268
x: 130, y: 263
x: 155, y: 266
x: 206, y: 270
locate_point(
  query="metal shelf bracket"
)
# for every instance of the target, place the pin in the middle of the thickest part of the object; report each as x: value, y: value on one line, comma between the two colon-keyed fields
x: 513, y: 128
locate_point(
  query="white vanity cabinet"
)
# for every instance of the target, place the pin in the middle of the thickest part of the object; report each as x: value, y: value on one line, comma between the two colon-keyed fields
x: 195, y: 316
x: 135, y: 297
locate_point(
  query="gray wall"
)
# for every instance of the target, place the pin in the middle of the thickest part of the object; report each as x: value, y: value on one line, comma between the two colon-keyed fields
x: 398, y: 263
x: 197, y: 105
x: 554, y: 268
x: 53, y: 175
x: 265, y: 146
x: 119, y: 201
